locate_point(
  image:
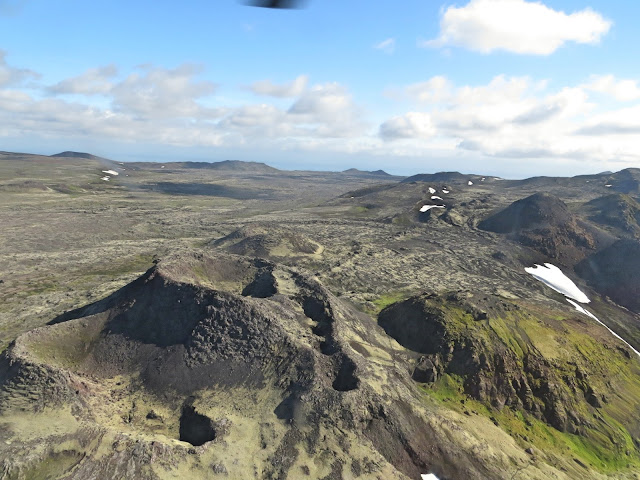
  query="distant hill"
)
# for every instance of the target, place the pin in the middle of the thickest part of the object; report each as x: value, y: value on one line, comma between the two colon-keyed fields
x: 70, y: 154
x: 536, y: 211
x: 615, y: 272
x: 543, y: 222
x: 232, y: 166
x: 355, y: 171
x: 439, y: 177
x: 626, y: 181
x: 619, y: 211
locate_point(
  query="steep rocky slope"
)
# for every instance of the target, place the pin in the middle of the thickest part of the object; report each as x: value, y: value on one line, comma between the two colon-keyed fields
x: 615, y: 272
x: 618, y: 212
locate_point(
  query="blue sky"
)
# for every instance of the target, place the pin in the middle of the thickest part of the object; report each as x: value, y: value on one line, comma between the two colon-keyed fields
x: 503, y: 87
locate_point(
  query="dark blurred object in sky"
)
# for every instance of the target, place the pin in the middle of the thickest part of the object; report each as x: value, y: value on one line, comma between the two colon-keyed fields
x: 285, y: 4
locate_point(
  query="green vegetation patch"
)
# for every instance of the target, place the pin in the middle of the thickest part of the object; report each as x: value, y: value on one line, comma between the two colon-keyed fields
x: 387, y: 299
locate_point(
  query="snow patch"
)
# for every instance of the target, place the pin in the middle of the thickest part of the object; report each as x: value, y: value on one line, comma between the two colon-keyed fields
x: 589, y: 314
x: 553, y: 277
x: 428, y: 476
x: 425, y: 208
x: 106, y: 179
x: 445, y: 191
x: 607, y: 185
x: 581, y: 309
x: 435, y: 197
x: 432, y: 190
x: 110, y: 172
x: 469, y: 183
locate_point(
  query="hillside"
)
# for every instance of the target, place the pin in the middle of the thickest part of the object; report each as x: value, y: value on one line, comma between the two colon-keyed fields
x: 181, y: 322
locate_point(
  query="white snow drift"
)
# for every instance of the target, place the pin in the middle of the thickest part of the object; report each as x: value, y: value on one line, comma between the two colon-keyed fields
x: 425, y: 208
x: 553, y: 277
x: 588, y: 313
x: 110, y: 172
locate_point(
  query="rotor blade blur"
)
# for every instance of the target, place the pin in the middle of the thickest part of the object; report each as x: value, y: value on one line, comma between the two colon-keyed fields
x: 282, y: 4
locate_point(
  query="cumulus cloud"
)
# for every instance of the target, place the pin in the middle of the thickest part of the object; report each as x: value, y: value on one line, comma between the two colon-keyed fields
x: 331, y: 108
x: 624, y: 121
x: 387, y: 46
x: 624, y: 90
x: 156, y: 92
x: 435, y: 89
x: 288, y: 90
x: 409, y: 125
x: 175, y: 106
x: 516, y: 118
x: 92, y: 82
x: 10, y: 76
x: 516, y: 26
x: 506, y: 117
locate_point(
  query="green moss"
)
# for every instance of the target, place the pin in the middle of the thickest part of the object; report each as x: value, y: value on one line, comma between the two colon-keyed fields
x: 387, y: 299
x: 607, y: 440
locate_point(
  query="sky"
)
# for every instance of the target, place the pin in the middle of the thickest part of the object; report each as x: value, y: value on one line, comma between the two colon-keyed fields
x: 512, y: 88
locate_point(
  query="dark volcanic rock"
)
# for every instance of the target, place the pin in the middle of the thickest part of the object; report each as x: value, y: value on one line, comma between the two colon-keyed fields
x: 615, y: 272
x: 440, y: 177
x: 626, y: 181
x: 195, y: 428
x: 540, y: 210
x: 544, y: 223
x: 617, y: 210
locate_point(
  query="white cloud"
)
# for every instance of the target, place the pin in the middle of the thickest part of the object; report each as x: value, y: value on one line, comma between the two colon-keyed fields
x: 13, y: 76
x: 624, y: 90
x: 516, y: 26
x: 92, y: 82
x: 164, y: 93
x: 388, y: 46
x: 623, y: 121
x: 516, y: 118
x: 435, y: 89
x: 506, y: 118
x: 331, y: 107
x: 175, y: 107
x: 292, y: 89
x: 409, y: 125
